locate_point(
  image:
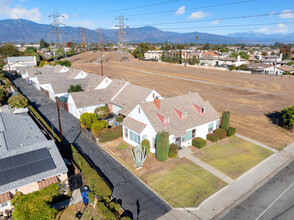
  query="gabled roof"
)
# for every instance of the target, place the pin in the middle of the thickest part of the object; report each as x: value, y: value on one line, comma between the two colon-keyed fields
x: 286, y: 68
x: 94, y: 80
x: 178, y: 126
x: 232, y: 59
x: 134, y: 125
x: 61, y: 86
x: 130, y: 96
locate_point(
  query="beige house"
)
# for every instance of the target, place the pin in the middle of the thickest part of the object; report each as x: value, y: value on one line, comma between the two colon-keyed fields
x: 28, y: 161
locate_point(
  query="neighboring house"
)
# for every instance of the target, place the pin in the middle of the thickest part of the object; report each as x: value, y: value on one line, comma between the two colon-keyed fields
x: 271, y: 59
x: 129, y: 97
x: 184, y: 117
x: 28, y: 161
x: 153, y: 55
x: 87, y: 101
x: 228, y: 61
x: 15, y: 62
x: 208, y: 60
x: 258, y: 67
x: 286, y: 68
x: 278, y: 70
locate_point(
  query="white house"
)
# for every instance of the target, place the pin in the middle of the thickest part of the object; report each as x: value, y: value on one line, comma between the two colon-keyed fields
x: 228, y: 61
x: 15, y: 62
x: 184, y: 117
x: 278, y: 70
x: 153, y: 55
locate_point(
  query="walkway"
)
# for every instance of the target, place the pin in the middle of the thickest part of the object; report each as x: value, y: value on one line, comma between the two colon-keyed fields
x: 136, y: 198
x: 186, y: 152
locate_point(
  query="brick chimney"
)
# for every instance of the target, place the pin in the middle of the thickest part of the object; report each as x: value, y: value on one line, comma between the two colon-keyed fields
x: 157, y: 102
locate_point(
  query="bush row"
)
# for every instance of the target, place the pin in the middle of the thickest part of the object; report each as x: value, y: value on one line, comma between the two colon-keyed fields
x: 110, y: 134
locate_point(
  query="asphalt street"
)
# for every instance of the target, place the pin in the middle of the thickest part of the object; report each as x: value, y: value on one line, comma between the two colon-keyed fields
x: 273, y: 200
x: 136, y: 198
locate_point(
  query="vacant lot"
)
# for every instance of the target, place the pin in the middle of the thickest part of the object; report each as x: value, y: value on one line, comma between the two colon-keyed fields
x: 233, y: 156
x: 250, y: 98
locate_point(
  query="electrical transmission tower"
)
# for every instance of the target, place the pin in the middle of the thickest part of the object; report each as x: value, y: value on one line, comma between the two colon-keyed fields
x: 83, y: 39
x: 101, y: 47
x: 56, y: 23
x: 89, y: 40
x: 121, y: 34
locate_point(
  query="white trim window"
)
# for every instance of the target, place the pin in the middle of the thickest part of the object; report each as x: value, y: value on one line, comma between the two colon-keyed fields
x: 135, y: 137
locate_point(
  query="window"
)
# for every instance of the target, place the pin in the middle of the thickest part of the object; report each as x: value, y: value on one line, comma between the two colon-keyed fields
x: 144, y: 137
x: 139, y: 110
x: 193, y: 133
x: 126, y: 132
x: 210, y: 127
x: 183, y: 138
x: 153, y: 95
x: 202, y: 110
x: 188, y: 135
x: 135, y: 137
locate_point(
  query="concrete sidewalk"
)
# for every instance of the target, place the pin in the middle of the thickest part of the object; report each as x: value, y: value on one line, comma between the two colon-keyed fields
x: 237, y: 190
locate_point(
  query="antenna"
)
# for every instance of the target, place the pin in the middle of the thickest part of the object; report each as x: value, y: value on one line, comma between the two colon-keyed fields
x: 121, y: 34
x: 56, y: 23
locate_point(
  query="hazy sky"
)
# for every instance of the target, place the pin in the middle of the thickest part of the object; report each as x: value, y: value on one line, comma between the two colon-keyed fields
x: 191, y: 15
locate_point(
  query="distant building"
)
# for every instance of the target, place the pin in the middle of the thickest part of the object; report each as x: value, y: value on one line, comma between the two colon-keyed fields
x: 15, y: 62
x: 28, y: 161
x: 153, y: 55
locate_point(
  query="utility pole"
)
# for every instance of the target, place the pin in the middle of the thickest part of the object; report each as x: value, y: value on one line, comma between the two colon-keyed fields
x: 101, y: 48
x: 59, y: 121
x: 83, y: 39
x: 121, y: 34
x: 56, y: 23
x: 89, y: 40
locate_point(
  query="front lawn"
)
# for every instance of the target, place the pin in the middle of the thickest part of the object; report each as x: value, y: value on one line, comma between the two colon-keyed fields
x: 182, y: 183
x: 233, y: 156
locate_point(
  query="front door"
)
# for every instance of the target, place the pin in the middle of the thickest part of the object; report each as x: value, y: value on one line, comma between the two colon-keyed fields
x: 178, y: 141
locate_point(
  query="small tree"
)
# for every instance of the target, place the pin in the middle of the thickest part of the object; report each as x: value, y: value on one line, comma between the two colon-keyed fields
x: 74, y: 88
x: 119, y: 119
x: 18, y: 101
x: 146, y: 144
x: 139, y: 154
x: 288, y: 117
x: 87, y: 119
x: 97, y: 126
x: 162, y: 146
x: 232, y: 67
x: 173, y: 150
x: 102, y: 112
x: 3, y: 95
x: 225, y: 121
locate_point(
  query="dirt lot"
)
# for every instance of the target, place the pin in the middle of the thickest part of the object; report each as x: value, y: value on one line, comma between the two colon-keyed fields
x: 250, y: 98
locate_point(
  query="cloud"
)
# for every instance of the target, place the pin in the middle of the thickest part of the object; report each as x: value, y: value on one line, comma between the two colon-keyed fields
x: 214, y: 22
x: 279, y: 29
x: 272, y: 13
x: 181, y: 10
x: 287, y: 14
x: 19, y: 11
x: 198, y: 14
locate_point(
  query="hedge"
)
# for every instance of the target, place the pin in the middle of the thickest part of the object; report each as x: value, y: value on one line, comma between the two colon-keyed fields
x: 212, y: 137
x: 221, y: 133
x: 92, y: 179
x: 87, y: 120
x: 110, y: 134
x: 173, y: 150
x: 97, y: 126
x: 199, y: 142
x: 231, y: 131
x: 104, y: 211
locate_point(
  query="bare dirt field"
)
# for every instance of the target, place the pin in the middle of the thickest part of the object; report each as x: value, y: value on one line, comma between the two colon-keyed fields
x: 250, y: 98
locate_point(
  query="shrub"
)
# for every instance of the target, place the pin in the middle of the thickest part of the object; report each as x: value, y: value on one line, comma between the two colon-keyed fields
x: 232, y: 67
x: 91, y: 197
x: 162, y: 146
x: 102, y: 112
x: 288, y: 117
x: 119, y: 119
x: 97, y: 127
x: 18, y: 101
x: 87, y: 120
x: 62, y: 63
x: 173, y: 150
x: 111, y: 205
x: 125, y: 218
x: 231, y: 131
x: 221, y: 133
x: 74, y: 88
x: 212, y: 137
x: 225, y: 121
x: 7, y: 83
x: 106, y: 199
x: 146, y: 144
x: 287, y: 73
x: 110, y: 134
x: 117, y: 207
x: 3, y: 95
x: 104, y: 211
x: 199, y: 142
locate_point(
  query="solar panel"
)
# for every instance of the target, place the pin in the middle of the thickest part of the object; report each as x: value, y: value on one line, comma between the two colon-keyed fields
x: 6, y: 163
x: 19, y: 160
x: 23, y: 171
x: 25, y: 165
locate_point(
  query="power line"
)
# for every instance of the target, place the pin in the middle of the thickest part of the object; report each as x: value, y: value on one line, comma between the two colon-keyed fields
x: 190, y: 9
x: 121, y: 34
x: 56, y: 23
x: 213, y: 19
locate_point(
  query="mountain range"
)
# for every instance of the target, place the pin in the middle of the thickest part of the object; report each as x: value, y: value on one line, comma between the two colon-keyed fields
x: 21, y: 30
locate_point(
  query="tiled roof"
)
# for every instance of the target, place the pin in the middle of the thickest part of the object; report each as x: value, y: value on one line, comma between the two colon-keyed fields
x: 130, y: 96
x: 286, y: 68
x: 185, y: 103
x: 134, y: 125
x: 61, y: 86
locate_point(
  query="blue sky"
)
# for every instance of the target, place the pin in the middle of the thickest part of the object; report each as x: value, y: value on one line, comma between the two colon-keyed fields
x: 96, y: 13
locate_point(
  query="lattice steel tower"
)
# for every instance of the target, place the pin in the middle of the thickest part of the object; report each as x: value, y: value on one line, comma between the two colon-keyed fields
x: 121, y: 34
x: 56, y: 23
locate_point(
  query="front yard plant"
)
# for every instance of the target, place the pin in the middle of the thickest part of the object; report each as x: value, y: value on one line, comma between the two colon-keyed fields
x: 212, y: 137
x: 97, y: 127
x: 162, y: 146
x: 87, y: 120
x: 221, y: 133
x: 225, y: 120
x: 173, y: 150
x: 102, y: 112
x: 146, y: 144
x: 199, y: 142
x: 231, y: 131
x: 288, y: 117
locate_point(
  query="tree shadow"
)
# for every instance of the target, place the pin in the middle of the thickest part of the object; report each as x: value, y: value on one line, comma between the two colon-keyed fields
x: 276, y: 118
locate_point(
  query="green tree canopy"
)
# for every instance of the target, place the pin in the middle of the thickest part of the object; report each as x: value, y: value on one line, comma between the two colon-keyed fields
x: 102, y: 112
x: 74, y: 88
x: 8, y: 50
x: 18, y: 101
x: 162, y: 146
x: 288, y: 117
x: 35, y: 205
x: 244, y: 55
x: 226, y: 119
x: 206, y: 46
x: 62, y: 63
x: 3, y: 94
x: 140, y: 50
x: 43, y: 44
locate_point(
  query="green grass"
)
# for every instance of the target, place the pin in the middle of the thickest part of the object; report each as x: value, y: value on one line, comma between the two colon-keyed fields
x: 234, y: 156
x: 122, y: 146
x: 184, y: 185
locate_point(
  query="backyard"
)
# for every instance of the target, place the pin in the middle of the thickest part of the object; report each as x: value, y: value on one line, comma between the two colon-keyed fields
x: 233, y: 156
